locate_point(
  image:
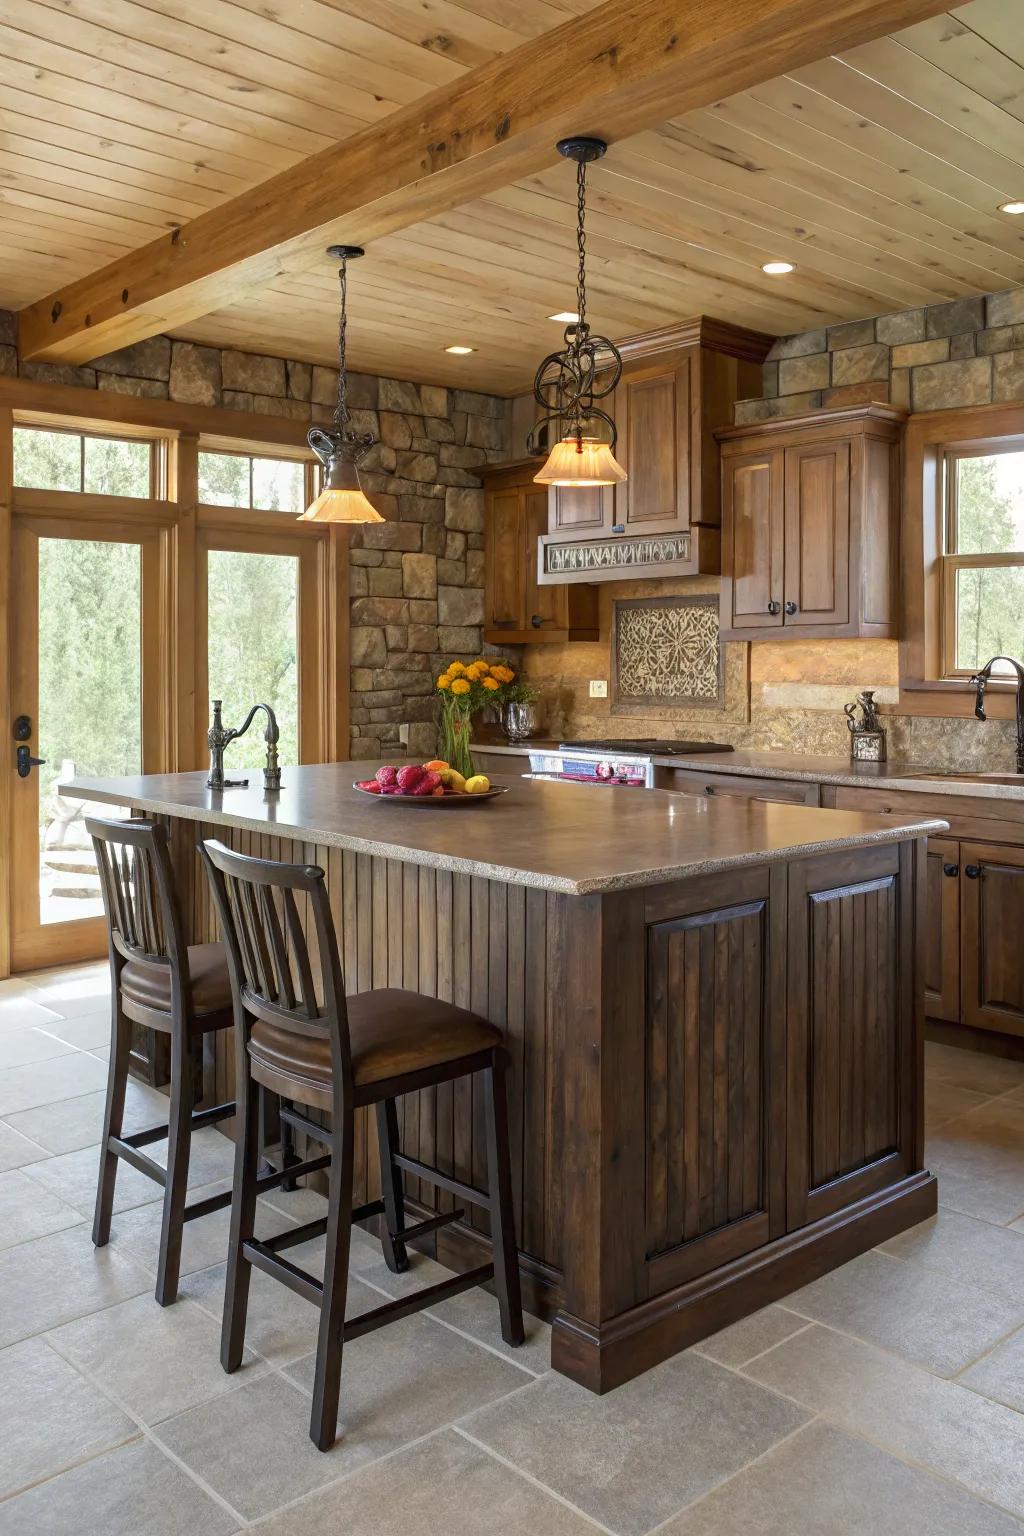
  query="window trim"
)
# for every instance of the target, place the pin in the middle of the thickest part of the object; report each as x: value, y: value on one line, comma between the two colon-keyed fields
x: 253, y: 451
x: 953, y: 559
x: 157, y: 458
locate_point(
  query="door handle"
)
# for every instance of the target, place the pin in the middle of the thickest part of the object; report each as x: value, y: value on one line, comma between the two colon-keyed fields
x: 774, y: 607
x: 26, y: 762
x: 791, y: 607
x: 972, y: 871
x: 952, y: 870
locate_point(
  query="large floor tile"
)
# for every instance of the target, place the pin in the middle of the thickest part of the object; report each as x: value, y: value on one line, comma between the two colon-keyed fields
x: 929, y: 1318
x: 157, y: 1361
x: 54, y: 1279
x: 444, y: 1486
x: 16, y: 1150
x: 751, y: 1336
x: 28, y: 1211
x: 636, y: 1456
x: 823, y: 1481
x: 74, y: 1123
x: 971, y: 1069
x: 74, y: 991
x: 944, y: 1101
x: 19, y: 1047
x: 475, y: 1312
x: 50, y: 1418
x: 22, y: 1007
x: 938, y: 1424
x: 1000, y: 1375
x: 73, y: 1176
x: 87, y: 1031
x: 46, y: 1082
x: 976, y: 1251
x: 127, y: 1492
x: 979, y: 1161
x: 204, y: 1242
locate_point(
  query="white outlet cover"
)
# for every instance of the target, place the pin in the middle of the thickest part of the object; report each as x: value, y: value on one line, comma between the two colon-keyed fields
x: 598, y: 688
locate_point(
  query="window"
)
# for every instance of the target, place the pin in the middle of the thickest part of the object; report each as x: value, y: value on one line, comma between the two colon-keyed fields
x: 983, y: 560
x: 252, y: 646
x: 249, y: 480
x: 59, y: 460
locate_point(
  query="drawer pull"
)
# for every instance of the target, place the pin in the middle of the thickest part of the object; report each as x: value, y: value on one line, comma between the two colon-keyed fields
x: 774, y: 607
x: 709, y: 789
x: 952, y: 870
x: 791, y: 608
x: 972, y: 871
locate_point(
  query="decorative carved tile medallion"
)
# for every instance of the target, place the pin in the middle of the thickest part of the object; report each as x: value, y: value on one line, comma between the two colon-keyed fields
x: 561, y: 559
x: 667, y: 651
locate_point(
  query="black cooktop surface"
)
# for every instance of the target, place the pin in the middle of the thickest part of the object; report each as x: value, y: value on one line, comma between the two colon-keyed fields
x: 651, y: 746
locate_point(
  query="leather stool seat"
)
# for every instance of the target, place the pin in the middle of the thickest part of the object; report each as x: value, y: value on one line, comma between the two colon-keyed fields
x: 392, y: 1032
x: 149, y: 986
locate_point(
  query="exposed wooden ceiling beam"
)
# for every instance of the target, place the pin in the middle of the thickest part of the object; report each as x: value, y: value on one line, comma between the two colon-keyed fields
x: 620, y: 69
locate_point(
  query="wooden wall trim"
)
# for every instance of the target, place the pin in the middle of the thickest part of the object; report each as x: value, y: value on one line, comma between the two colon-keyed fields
x: 6, y: 713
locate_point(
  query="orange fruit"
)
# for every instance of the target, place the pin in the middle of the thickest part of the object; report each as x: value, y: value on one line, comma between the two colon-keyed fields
x: 436, y: 765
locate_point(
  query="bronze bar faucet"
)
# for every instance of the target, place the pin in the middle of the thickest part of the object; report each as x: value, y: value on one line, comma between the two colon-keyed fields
x: 219, y: 735
x: 980, y: 681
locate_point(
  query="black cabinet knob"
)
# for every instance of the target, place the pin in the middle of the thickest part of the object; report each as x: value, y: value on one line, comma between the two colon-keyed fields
x: 972, y: 871
x: 952, y: 870
x: 774, y: 606
x: 791, y: 607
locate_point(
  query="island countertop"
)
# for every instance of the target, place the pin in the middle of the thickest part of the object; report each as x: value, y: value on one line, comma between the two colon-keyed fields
x: 574, y: 839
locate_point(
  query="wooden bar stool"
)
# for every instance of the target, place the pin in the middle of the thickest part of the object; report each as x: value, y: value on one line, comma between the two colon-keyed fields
x: 338, y: 1054
x: 182, y: 990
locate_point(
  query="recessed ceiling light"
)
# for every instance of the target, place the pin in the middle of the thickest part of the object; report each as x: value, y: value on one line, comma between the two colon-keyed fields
x: 778, y: 268
x: 460, y: 351
x: 1012, y: 207
x: 565, y: 316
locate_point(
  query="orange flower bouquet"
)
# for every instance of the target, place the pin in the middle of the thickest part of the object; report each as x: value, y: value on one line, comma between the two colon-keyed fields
x: 465, y: 688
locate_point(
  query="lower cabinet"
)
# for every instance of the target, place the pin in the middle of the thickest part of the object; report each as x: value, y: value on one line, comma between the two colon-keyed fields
x: 691, y: 781
x: 942, y: 935
x: 992, y: 928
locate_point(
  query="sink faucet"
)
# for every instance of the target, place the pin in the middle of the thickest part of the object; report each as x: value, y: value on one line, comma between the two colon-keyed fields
x: 980, y: 681
x: 219, y: 735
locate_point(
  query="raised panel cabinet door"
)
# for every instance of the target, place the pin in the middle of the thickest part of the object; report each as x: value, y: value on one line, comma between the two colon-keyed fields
x: 714, y: 1044
x: 504, y: 560
x: 942, y: 930
x: 547, y: 607
x: 992, y: 954
x: 579, y: 508
x: 817, y: 499
x: 852, y: 1042
x: 653, y: 415
x: 752, y: 513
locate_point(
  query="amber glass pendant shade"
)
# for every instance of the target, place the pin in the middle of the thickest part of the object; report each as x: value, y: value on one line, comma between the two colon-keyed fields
x: 342, y: 499
x: 581, y: 461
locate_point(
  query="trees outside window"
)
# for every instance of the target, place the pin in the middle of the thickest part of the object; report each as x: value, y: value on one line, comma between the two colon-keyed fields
x: 983, y: 590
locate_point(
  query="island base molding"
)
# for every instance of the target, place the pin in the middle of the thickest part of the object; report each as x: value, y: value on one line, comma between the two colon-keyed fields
x: 716, y: 1083
x: 606, y: 1356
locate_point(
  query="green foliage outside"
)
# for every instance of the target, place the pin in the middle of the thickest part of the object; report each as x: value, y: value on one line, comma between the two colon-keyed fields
x: 990, y: 602
x: 252, y: 648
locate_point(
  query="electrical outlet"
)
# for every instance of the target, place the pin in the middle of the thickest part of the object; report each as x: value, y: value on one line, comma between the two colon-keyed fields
x: 598, y: 688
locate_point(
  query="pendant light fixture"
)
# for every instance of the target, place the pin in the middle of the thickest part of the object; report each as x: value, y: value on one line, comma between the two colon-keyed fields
x: 338, y: 447
x: 568, y: 383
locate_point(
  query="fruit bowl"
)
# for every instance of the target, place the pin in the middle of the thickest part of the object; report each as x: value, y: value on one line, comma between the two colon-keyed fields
x: 434, y: 802
x: 433, y: 783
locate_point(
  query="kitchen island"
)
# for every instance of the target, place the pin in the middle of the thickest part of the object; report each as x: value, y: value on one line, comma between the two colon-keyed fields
x: 713, y: 1011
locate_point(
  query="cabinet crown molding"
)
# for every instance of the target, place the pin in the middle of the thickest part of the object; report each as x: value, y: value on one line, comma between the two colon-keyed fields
x: 850, y: 415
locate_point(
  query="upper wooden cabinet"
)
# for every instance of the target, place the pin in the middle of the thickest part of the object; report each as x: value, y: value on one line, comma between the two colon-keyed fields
x: 517, y: 610
x: 678, y: 386
x: 810, y: 525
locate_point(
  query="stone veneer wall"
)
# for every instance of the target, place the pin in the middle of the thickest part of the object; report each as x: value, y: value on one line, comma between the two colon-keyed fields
x: 968, y: 352
x: 416, y: 580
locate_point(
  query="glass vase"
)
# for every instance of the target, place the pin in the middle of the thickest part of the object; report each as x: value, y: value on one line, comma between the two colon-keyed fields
x: 456, y: 728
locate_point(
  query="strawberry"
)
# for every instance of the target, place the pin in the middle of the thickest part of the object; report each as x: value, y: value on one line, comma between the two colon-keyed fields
x: 430, y: 779
x: 409, y: 776
x: 388, y: 774
x: 371, y: 786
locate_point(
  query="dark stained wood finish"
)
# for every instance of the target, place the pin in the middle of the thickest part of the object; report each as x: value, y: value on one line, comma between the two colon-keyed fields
x: 669, y: 1124
x: 942, y: 918
x: 518, y: 610
x: 811, y: 512
x: 992, y: 914
x: 737, y: 786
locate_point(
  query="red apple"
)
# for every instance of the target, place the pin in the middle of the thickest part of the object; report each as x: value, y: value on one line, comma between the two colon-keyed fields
x: 409, y: 776
x: 388, y: 774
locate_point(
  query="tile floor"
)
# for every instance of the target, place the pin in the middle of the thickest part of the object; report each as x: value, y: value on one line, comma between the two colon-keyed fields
x: 887, y: 1396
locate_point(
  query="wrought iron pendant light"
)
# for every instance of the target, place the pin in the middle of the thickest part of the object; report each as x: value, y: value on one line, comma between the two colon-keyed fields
x: 569, y: 383
x: 338, y: 447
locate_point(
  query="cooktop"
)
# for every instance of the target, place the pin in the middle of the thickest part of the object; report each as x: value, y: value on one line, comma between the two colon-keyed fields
x: 650, y: 746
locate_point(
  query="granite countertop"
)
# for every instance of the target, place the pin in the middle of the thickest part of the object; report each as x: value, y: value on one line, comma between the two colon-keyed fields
x: 570, y: 838
x: 817, y: 770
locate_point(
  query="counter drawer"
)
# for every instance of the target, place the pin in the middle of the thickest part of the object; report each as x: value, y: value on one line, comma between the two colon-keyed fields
x: 998, y: 820
x: 691, y: 781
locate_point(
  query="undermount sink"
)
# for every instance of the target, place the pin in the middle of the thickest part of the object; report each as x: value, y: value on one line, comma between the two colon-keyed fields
x: 975, y: 778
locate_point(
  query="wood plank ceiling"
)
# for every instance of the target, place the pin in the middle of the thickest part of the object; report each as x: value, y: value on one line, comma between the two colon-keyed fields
x: 879, y: 173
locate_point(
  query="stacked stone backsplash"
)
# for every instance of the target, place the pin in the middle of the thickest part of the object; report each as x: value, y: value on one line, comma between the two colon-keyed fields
x: 416, y: 580
x: 967, y: 352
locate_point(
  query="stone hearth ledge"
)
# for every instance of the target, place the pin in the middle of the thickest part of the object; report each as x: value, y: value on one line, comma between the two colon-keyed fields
x: 574, y: 839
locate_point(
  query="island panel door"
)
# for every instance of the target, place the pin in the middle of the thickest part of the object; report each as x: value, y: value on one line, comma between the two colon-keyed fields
x: 852, y: 981
x: 713, y: 1070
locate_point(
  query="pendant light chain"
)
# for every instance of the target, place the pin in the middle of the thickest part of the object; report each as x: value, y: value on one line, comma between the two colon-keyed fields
x: 342, y: 415
x: 581, y: 246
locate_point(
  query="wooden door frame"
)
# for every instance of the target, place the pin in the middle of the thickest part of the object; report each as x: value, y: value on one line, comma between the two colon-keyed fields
x: 180, y: 431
